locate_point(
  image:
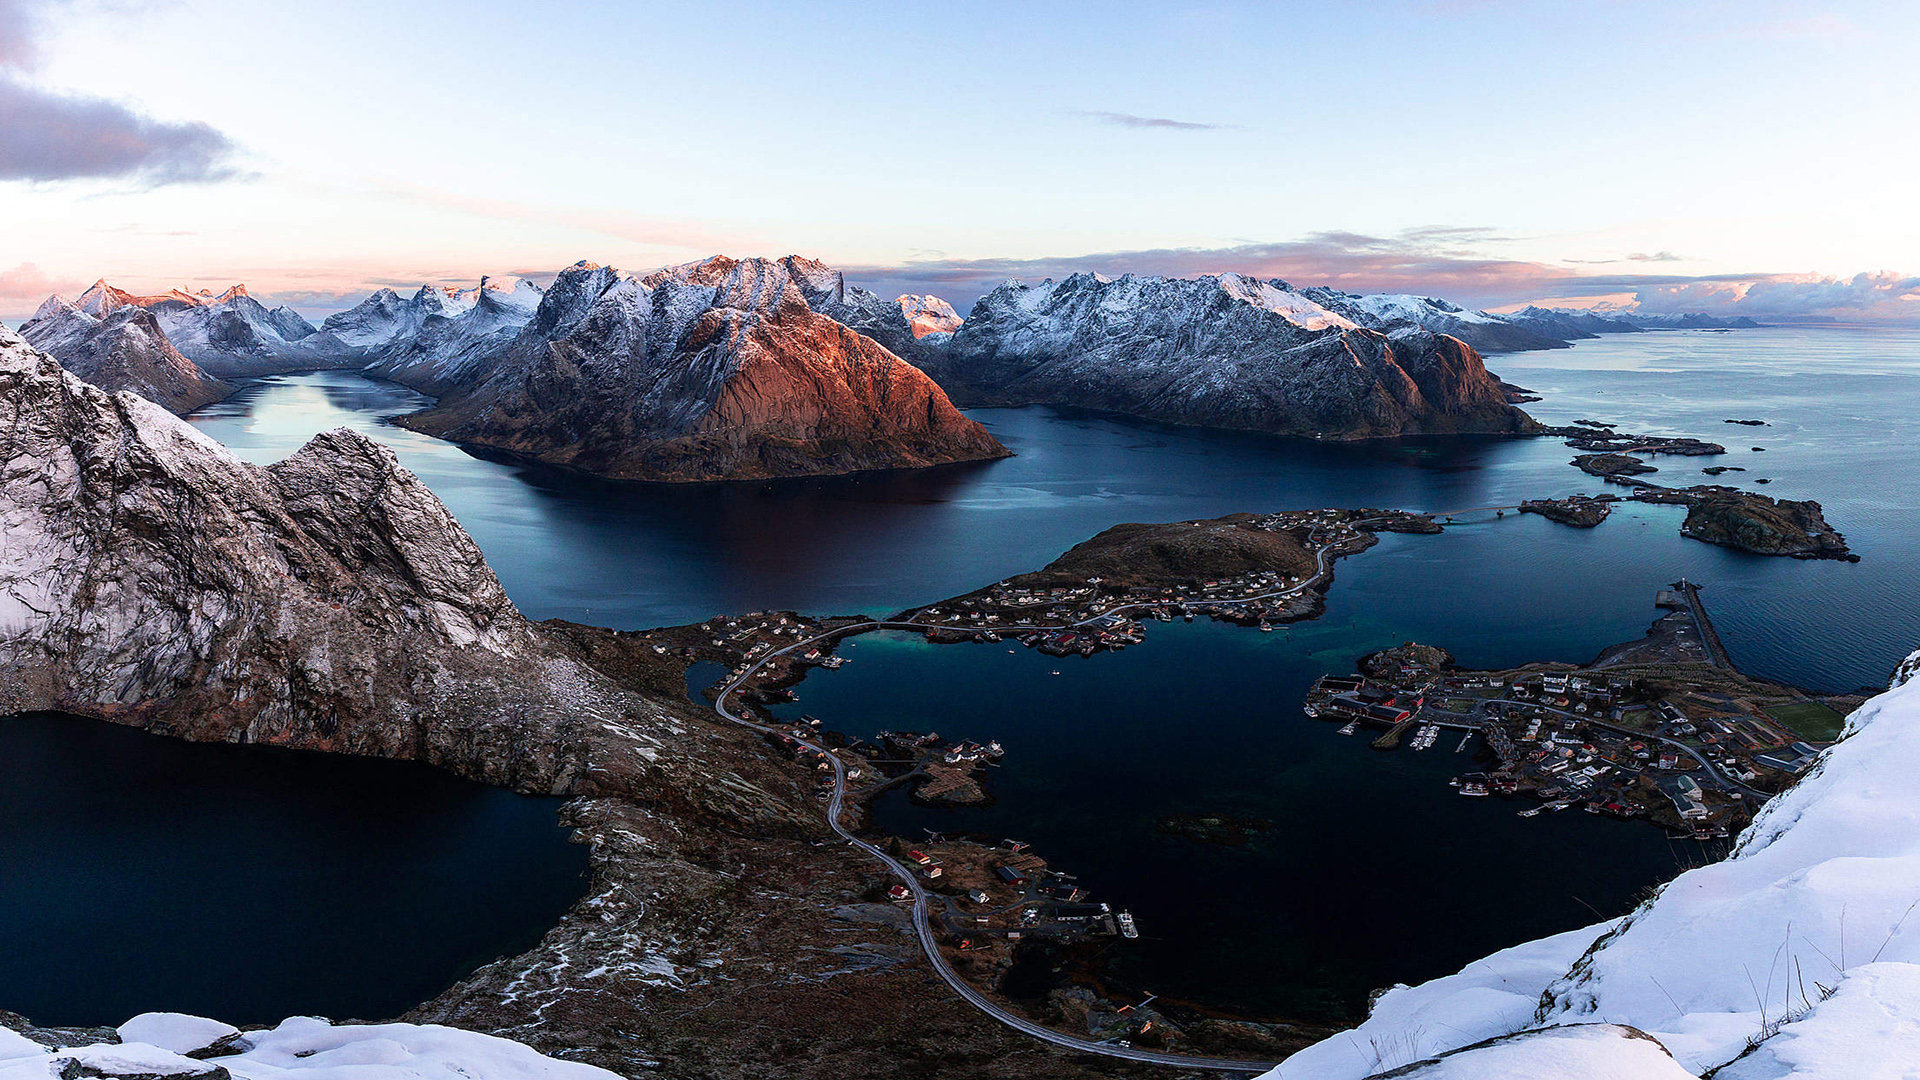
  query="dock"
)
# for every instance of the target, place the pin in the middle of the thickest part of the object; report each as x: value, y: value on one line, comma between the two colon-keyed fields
x: 1687, y: 593
x: 1392, y: 737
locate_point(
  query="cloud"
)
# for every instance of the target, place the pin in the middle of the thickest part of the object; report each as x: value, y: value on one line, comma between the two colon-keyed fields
x: 1879, y: 297
x: 47, y: 136
x: 25, y: 286
x: 16, y: 35
x: 1130, y: 120
x: 1658, y: 256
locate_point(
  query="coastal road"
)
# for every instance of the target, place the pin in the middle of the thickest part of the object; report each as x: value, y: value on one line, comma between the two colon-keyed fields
x: 922, y: 900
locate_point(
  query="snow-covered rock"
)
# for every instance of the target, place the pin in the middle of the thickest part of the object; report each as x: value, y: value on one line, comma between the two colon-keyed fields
x: 1390, y: 312
x: 300, y: 1048
x: 1796, y: 956
x: 928, y: 314
x: 328, y: 601
x: 178, y: 1032
x: 445, y: 337
x: 431, y: 339
x: 719, y: 369
x: 229, y: 335
x: 1217, y: 351
x: 123, y: 349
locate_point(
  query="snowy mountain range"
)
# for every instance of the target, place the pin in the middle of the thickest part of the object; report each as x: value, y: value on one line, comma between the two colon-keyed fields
x: 1796, y: 956
x: 228, y: 335
x: 1216, y: 351
x: 123, y: 348
x: 1222, y: 350
x: 718, y: 369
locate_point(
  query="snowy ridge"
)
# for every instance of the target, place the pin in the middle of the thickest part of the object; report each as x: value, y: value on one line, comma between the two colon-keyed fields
x: 229, y: 334
x: 1797, y: 956
x: 1217, y: 351
x: 123, y: 349
x: 441, y: 336
x: 156, y: 1045
x: 715, y: 369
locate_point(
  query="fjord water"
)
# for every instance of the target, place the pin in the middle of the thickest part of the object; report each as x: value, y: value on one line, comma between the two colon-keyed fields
x: 1373, y: 872
x: 251, y: 883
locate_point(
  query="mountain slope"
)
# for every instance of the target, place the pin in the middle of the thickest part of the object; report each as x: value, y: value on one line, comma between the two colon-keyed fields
x: 713, y: 370
x: 326, y: 602
x: 1388, y: 312
x: 122, y: 350
x: 1796, y: 956
x: 1217, y: 351
x: 229, y: 335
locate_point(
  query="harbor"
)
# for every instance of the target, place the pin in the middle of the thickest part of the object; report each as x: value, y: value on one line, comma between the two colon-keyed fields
x: 1663, y: 728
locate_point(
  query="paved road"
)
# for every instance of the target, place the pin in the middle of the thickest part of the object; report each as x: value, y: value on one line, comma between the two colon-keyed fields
x: 922, y: 910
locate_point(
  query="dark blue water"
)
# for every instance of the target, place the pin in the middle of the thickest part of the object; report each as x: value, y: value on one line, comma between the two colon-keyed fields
x: 250, y: 883
x: 1375, y: 872
x: 635, y: 555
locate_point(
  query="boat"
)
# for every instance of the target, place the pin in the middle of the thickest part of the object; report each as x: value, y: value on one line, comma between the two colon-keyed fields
x: 1053, y: 673
x: 1474, y: 788
x: 1531, y: 811
x: 1127, y: 928
x: 1352, y: 726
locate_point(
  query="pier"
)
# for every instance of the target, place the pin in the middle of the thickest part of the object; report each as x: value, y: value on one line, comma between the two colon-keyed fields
x: 1686, y: 593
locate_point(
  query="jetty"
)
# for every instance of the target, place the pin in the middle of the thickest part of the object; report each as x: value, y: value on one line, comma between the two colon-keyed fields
x: 1684, y: 595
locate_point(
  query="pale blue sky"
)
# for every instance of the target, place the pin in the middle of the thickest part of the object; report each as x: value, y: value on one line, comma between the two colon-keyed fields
x: 943, y: 145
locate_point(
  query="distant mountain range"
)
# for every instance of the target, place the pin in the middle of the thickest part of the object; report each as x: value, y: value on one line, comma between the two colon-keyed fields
x: 730, y: 368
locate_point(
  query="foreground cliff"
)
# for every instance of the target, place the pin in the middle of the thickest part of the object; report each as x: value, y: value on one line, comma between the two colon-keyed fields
x: 1797, y: 956
x: 327, y: 602
x: 124, y: 350
x: 1217, y: 351
x: 717, y: 370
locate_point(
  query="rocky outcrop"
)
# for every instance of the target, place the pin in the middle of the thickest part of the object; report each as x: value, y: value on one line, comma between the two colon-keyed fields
x: 122, y: 350
x: 229, y: 335
x: 1763, y: 525
x: 327, y: 602
x: 1218, y: 351
x: 715, y: 370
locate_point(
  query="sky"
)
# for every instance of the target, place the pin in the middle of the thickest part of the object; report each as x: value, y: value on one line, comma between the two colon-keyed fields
x: 1755, y: 157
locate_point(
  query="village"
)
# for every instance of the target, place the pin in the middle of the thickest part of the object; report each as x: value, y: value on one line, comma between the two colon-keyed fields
x: 1250, y: 570
x: 1662, y: 729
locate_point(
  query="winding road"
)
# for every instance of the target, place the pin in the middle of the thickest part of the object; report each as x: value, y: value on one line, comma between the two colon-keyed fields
x: 922, y: 900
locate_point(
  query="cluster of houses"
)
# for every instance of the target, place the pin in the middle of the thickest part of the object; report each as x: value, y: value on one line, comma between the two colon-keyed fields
x: 1581, y: 737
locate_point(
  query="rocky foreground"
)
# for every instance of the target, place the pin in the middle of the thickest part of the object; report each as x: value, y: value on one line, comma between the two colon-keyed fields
x: 717, y: 370
x: 330, y: 602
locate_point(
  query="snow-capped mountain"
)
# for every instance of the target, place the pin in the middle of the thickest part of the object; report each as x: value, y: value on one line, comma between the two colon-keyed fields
x: 438, y: 337
x: 716, y: 369
x: 229, y: 334
x: 928, y: 315
x: 1388, y: 312
x: 1796, y: 956
x: 121, y: 349
x: 386, y: 321
x: 1217, y: 351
